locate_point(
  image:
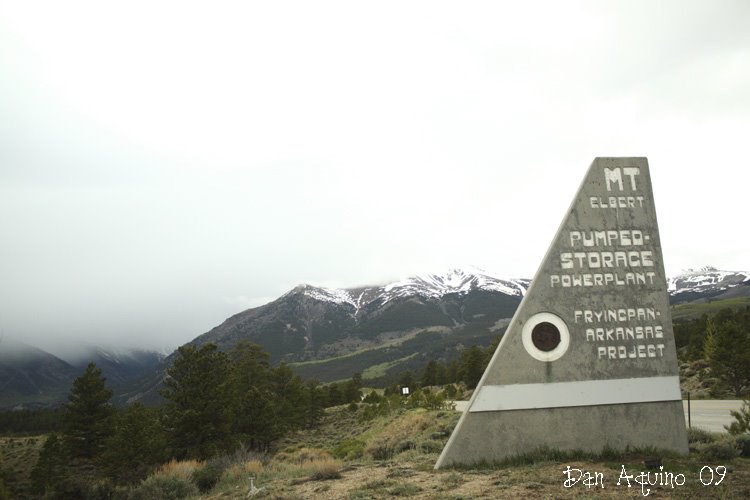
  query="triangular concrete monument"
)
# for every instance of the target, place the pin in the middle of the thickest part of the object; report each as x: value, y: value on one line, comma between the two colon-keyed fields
x: 588, y: 361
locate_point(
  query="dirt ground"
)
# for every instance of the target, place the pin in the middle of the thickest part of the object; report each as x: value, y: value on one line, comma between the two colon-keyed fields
x: 417, y: 480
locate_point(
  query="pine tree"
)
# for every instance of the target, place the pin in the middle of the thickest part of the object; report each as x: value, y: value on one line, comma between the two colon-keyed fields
x: 406, y: 380
x: 472, y: 365
x: 49, y: 471
x: 88, y: 414
x: 315, y: 399
x: 252, y: 400
x: 289, y: 412
x: 197, y: 415
x: 741, y: 424
x: 727, y: 349
x: 352, y: 389
x: 137, y: 444
x: 334, y: 395
x: 452, y: 372
x: 430, y: 375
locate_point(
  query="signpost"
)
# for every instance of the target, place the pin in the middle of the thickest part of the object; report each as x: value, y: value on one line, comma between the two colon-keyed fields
x: 588, y: 361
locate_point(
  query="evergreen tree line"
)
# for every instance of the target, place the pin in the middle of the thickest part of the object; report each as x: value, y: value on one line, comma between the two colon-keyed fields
x: 30, y: 422
x: 467, y: 369
x: 723, y: 340
x: 215, y: 402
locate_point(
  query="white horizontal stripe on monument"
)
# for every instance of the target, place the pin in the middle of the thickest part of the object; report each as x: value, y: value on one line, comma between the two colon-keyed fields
x: 579, y: 393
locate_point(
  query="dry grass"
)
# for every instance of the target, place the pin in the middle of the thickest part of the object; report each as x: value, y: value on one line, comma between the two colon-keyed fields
x: 183, y: 469
x: 301, y: 469
x: 302, y: 455
x: 398, y: 436
x: 239, y: 472
x: 18, y: 455
x: 308, y: 463
x: 322, y: 469
x: 253, y: 467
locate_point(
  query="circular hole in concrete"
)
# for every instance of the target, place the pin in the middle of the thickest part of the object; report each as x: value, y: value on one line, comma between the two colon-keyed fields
x: 545, y: 336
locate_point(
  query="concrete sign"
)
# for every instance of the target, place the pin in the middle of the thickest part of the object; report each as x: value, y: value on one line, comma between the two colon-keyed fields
x: 588, y: 361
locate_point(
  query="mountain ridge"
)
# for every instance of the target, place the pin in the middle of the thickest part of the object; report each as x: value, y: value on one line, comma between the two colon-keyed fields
x: 31, y: 377
x: 331, y: 333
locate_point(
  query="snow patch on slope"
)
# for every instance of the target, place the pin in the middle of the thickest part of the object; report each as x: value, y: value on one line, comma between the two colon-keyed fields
x: 457, y: 280
x: 705, y: 278
x: 431, y: 286
x: 334, y: 295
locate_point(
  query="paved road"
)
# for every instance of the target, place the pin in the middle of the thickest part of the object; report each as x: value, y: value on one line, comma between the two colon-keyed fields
x: 709, y: 414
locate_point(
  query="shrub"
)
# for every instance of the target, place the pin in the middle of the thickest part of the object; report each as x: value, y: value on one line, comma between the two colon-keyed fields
x: 743, y: 443
x: 442, y: 433
x: 241, y: 455
x: 182, y: 469
x: 405, y: 445
x: 696, y: 435
x: 404, y: 490
x: 105, y: 490
x: 311, y: 455
x: 349, y: 449
x: 437, y: 401
x: 164, y: 488
x: 741, y: 424
x: 253, y: 467
x: 373, y: 398
x: 451, y: 391
x: 380, y: 450
x: 400, y: 431
x: 430, y: 447
x: 323, y: 469
x: 238, y: 473
x: 724, y: 449
x: 206, y: 477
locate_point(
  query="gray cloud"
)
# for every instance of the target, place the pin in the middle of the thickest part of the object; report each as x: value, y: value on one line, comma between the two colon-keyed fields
x: 160, y: 172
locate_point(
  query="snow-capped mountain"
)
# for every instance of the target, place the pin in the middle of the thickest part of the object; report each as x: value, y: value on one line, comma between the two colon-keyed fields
x: 429, y: 286
x: 708, y: 282
x: 348, y: 330
x: 311, y: 322
x: 308, y: 320
x: 399, y: 325
x: 460, y: 281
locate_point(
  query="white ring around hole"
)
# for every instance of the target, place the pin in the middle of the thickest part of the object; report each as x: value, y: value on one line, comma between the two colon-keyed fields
x: 538, y: 354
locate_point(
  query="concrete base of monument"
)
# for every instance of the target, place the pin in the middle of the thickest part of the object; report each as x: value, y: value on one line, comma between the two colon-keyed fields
x: 494, y: 436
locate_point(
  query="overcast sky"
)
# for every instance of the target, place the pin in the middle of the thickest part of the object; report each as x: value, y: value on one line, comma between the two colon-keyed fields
x: 165, y: 165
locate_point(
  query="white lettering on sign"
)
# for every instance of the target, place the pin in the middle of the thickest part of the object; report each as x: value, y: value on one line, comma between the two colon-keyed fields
x: 619, y: 179
x: 614, y: 175
x: 598, y: 260
x: 625, y: 333
x: 614, y: 257
x: 622, y: 237
x: 601, y: 279
x: 631, y: 352
x: 620, y: 315
x: 617, y: 202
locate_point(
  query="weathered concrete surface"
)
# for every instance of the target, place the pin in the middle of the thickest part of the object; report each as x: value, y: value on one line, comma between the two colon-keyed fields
x: 708, y: 414
x: 601, y: 292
